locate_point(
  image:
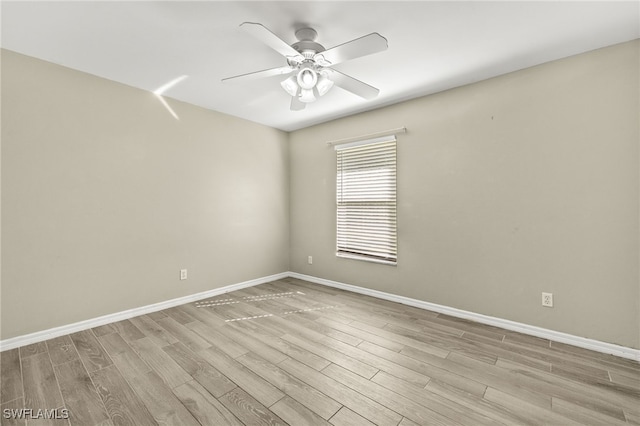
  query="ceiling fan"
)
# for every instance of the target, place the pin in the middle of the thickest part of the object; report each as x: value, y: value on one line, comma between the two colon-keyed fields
x: 309, y: 63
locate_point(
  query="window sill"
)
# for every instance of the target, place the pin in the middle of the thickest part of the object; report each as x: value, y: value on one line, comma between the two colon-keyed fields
x: 366, y: 259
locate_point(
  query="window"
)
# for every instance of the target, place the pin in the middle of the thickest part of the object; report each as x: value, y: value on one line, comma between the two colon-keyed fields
x: 366, y: 200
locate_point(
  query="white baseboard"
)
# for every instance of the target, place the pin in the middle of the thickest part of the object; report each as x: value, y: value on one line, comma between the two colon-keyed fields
x: 556, y: 336
x: 41, y: 336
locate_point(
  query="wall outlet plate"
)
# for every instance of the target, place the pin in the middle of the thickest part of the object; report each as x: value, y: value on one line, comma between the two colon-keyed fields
x: 183, y: 274
x: 547, y: 300
x: 310, y: 260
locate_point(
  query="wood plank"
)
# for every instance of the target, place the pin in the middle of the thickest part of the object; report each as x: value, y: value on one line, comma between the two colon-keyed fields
x: 603, y: 359
x: 347, y: 298
x: 525, y: 339
x: 306, y: 395
x: 598, y: 399
x: 305, y: 319
x: 428, y: 324
x: 363, y: 335
x: 332, y: 355
x: 162, y: 403
x: 183, y: 334
x: 36, y: 348
x: 294, y: 413
x: 10, y: 376
x: 236, y: 311
x: 346, y: 417
x: 166, y: 368
x: 466, y: 347
x: 114, y: 344
x: 424, y: 396
x: 10, y: 413
x: 406, y: 422
x: 434, y: 350
x: 153, y: 331
x: 121, y: 402
x: 203, y: 406
x: 296, y: 300
x: 402, y: 405
x: 501, y: 379
x: 290, y: 350
x: 377, y: 314
x: 179, y: 315
x: 533, y: 356
x: 414, y: 376
x: 202, y: 314
x: 632, y: 418
x: 625, y: 380
x: 318, y: 327
x: 61, y: 350
x: 515, y: 404
x: 345, y: 311
x: 271, y: 325
x: 90, y: 351
x: 477, y: 403
x: 42, y: 393
x: 211, y: 378
x: 255, y: 385
x: 248, y: 410
x: 79, y: 394
x: 366, y: 407
x: 123, y: 356
x: 582, y: 415
x: 602, y: 381
x: 219, y: 340
x: 466, y: 324
x: 125, y: 328
x: 130, y: 364
x: 248, y: 341
x: 429, y: 365
x: 103, y: 330
x: 157, y: 315
x: 41, y: 389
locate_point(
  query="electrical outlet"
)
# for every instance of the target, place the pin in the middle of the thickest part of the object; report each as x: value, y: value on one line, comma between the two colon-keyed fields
x: 547, y: 300
x: 183, y: 274
x: 310, y: 260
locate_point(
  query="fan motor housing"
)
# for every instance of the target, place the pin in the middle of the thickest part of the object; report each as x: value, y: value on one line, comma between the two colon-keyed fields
x: 306, y: 44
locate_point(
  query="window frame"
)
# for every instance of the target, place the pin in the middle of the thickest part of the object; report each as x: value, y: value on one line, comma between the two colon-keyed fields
x: 389, y: 236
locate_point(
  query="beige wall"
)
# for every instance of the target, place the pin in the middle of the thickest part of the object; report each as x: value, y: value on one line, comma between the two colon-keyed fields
x: 105, y: 197
x: 517, y: 185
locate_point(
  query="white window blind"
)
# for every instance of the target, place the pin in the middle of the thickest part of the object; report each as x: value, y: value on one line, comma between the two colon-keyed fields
x: 366, y: 200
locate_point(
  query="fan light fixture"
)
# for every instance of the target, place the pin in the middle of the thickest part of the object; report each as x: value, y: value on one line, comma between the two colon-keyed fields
x: 307, y: 83
x: 308, y: 62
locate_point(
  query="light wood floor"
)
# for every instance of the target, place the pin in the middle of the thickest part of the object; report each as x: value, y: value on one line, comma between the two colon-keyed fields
x: 292, y: 352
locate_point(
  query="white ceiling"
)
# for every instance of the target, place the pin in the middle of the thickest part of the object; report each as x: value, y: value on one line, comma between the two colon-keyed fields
x: 433, y: 45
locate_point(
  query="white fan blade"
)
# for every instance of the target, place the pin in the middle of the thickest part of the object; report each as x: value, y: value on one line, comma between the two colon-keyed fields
x: 264, y: 35
x: 353, y: 85
x: 366, y: 45
x: 297, y: 104
x: 259, y: 74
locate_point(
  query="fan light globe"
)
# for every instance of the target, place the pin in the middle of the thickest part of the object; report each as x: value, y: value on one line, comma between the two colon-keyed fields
x: 290, y: 86
x: 324, y: 85
x: 307, y: 78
